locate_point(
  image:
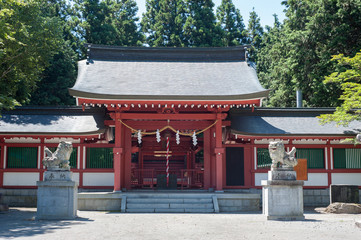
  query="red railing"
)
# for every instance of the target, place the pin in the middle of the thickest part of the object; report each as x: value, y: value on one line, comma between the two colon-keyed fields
x: 186, y: 178
x: 142, y: 178
x: 192, y: 178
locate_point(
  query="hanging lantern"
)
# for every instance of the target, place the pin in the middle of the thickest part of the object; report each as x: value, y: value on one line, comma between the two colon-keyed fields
x: 194, y: 138
x: 177, y: 138
x: 158, y: 135
x: 139, y: 137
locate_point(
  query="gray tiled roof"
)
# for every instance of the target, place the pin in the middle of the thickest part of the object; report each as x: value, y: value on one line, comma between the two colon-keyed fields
x: 167, y: 74
x: 287, y: 122
x: 61, y: 121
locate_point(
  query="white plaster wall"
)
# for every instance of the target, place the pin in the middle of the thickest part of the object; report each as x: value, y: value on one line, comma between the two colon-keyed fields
x: 75, y: 178
x: 317, y: 179
x: 20, y: 179
x: 258, y: 177
x: 98, y: 179
x: 346, y: 178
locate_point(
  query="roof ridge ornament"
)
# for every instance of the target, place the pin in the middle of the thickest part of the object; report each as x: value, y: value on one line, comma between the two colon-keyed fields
x: 246, y: 55
x: 88, y: 53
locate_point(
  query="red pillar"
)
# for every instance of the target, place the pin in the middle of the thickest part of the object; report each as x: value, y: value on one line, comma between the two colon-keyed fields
x: 247, y: 166
x: 207, y: 159
x: 219, y: 151
x: 118, y: 153
x: 213, y: 158
x: 127, y: 158
x: 2, y: 159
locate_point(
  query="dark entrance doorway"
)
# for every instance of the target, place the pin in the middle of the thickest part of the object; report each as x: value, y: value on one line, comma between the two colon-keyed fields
x: 235, y: 166
x: 149, y: 166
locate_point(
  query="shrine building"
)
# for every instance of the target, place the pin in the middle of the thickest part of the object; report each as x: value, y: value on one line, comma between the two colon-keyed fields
x: 199, y: 107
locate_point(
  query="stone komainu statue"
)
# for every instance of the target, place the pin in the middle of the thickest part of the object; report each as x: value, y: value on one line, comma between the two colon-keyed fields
x: 280, y: 157
x: 60, y: 158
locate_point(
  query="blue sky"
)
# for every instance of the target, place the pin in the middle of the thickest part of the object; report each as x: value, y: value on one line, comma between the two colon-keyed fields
x: 264, y: 8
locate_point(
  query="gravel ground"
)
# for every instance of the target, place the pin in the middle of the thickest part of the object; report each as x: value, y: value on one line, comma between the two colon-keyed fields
x: 19, y: 223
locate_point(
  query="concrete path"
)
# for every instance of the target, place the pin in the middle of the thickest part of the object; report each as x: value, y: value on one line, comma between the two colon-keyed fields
x: 19, y: 223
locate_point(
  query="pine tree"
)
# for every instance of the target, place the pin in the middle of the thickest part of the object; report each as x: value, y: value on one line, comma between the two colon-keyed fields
x: 109, y: 22
x: 60, y: 75
x: 231, y: 22
x: 254, y: 34
x: 312, y: 32
x: 200, y: 29
x: 163, y: 23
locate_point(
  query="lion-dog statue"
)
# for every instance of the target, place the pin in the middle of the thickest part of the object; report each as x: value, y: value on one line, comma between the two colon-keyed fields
x: 60, y: 158
x: 281, y: 158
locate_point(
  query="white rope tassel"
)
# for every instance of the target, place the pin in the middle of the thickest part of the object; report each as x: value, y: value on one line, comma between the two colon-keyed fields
x: 194, y: 138
x: 139, y: 136
x: 177, y: 138
x: 158, y: 135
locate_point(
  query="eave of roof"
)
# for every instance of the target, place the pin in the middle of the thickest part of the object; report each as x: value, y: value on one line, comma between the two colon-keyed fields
x: 287, y: 122
x: 52, y: 121
x: 189, y: 74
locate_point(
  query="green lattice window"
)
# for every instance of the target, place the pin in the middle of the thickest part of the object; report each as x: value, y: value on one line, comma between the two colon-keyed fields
x: 99, y: 157
x: 263, y: 158
x: 22, y: 157
x: 315, y: 156
x: 346, y: 158
x: 73, y: 157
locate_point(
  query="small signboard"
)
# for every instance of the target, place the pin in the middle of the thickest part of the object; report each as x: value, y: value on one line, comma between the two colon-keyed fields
x: 301, y: 169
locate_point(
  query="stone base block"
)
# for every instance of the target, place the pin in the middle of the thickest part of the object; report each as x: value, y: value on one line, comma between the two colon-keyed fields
x: 58, y: 176
x: 344, y: 193
x: 283, y: 200
x: 57, y: 200
x: 282, y: 175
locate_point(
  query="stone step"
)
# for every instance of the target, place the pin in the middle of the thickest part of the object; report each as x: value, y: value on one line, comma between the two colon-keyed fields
x: 197, y: 210
x: 169, y: 203
x: 169, y: 200
x: 147, y: 205
x: 192, y: 206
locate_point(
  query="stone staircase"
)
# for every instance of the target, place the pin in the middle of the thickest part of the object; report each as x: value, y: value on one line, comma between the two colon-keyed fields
x: 170, y: 203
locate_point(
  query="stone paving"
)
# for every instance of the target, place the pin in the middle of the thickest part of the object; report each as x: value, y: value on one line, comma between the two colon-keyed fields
x: 19, y: 223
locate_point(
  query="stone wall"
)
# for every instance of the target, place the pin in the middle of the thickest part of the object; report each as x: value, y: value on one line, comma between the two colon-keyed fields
x: 19, y: 197
x: 99, y: 201
x: 240, y: 203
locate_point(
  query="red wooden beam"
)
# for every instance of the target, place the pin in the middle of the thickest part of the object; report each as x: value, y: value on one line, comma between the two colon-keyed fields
x: 156, y: 116
x: 195, y: 103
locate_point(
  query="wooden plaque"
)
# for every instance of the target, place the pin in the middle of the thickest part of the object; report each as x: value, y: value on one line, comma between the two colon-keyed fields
x: 301, y: 169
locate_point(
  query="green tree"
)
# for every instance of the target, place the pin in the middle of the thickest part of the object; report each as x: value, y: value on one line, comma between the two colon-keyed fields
x: 313, y: 31
x: 60, y: 75
x: 348, y: 76
x: 254, y: 34
x: 108, y: 22
x: 28, y: 40
x: 163, y: 23
x: 231, y: 22
x: 200, y: 28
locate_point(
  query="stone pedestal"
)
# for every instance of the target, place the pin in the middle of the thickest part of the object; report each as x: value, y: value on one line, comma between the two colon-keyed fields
x: 57, y: 196
x: 282, y: 196
x: 344, y: 193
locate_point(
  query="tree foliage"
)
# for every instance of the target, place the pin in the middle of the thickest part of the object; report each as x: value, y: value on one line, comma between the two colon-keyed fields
x: 60, y: 75
x: 108, y: 22
x: 163, y: 23
x: 254, y: 34
x: 231, y: 22
x: 313, y: 31
x: 348, y: 76
x: 28, y: 39
x: 200, y: 29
